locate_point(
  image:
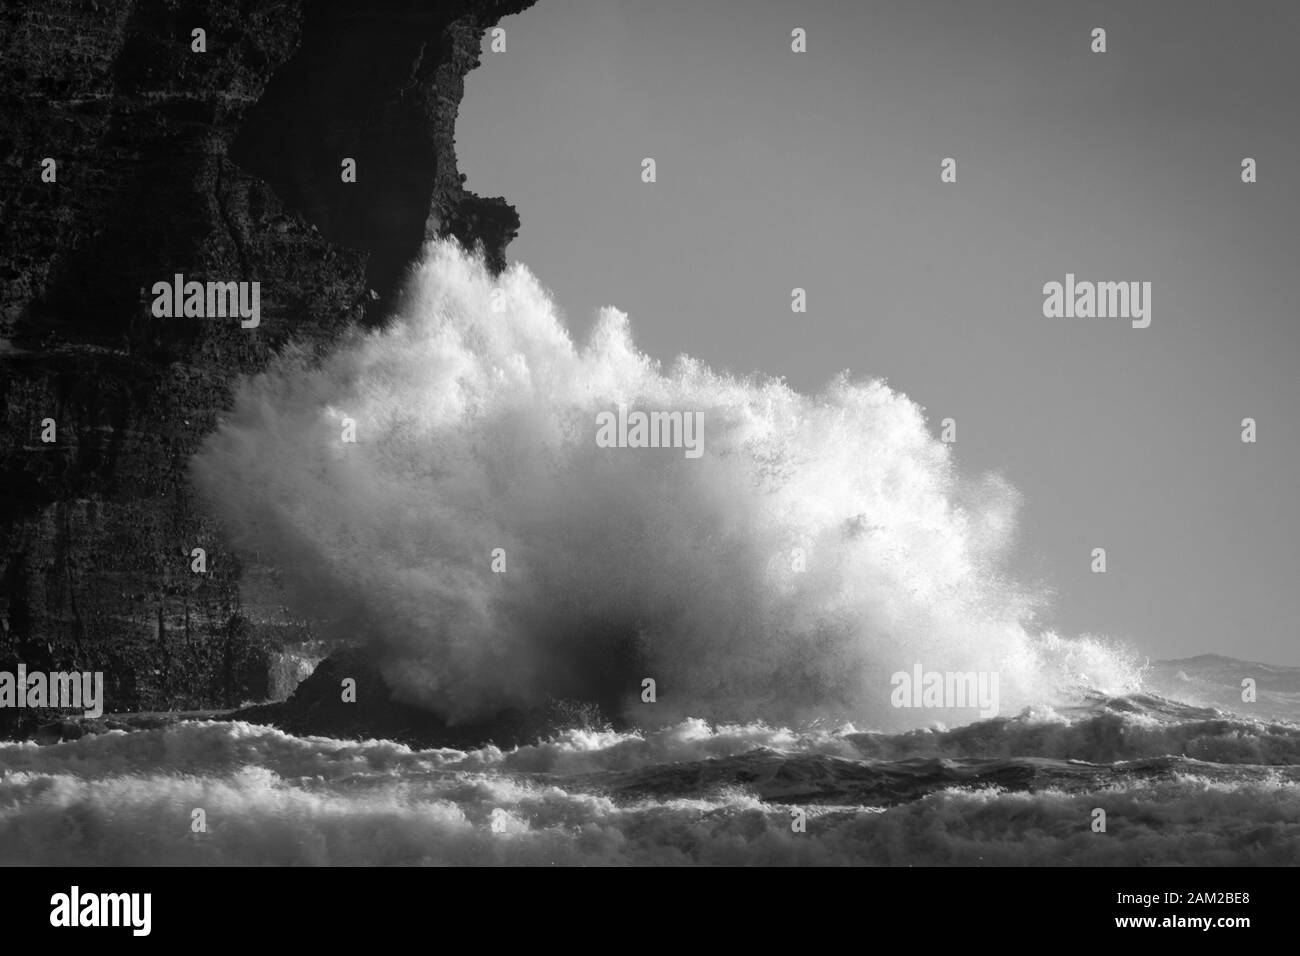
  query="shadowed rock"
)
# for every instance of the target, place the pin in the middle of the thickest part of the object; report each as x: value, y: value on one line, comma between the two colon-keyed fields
x: 318, y: 707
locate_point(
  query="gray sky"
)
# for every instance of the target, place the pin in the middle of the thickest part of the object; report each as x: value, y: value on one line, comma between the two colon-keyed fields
x: 821, y: 170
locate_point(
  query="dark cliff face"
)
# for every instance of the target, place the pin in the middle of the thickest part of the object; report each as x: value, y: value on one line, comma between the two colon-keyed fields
x: 222, y: 166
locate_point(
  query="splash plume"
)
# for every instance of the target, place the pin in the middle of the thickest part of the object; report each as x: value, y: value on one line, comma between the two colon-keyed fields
x: 820, y: 543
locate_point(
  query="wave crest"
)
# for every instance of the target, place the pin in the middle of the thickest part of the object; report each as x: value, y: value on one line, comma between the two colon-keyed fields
x: 475, y: 424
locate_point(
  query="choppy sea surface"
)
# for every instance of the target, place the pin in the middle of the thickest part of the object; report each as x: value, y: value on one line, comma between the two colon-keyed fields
x: 1182, y: 779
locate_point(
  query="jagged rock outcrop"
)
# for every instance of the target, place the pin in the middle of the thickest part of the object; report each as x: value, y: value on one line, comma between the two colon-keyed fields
x: 221, y: 165
x: 317, y: 706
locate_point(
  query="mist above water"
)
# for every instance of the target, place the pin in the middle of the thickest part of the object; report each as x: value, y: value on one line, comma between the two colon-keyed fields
x: 818, y: 545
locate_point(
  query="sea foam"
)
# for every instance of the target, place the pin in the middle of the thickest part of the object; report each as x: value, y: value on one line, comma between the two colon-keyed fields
x: 820, y: 544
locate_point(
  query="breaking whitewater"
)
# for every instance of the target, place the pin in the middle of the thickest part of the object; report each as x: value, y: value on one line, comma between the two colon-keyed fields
x: 1178, y: 784
x: 489, y: 554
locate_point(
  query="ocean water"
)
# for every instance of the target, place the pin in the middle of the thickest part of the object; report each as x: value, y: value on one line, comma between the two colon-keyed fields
x: 1180, y: 785
x: 487, y: 553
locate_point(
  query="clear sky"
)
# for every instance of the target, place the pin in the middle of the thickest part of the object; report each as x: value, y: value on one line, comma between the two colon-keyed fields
x: 821, y: 170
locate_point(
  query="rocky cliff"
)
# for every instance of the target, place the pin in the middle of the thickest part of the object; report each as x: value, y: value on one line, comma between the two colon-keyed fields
x: 217, y: 156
